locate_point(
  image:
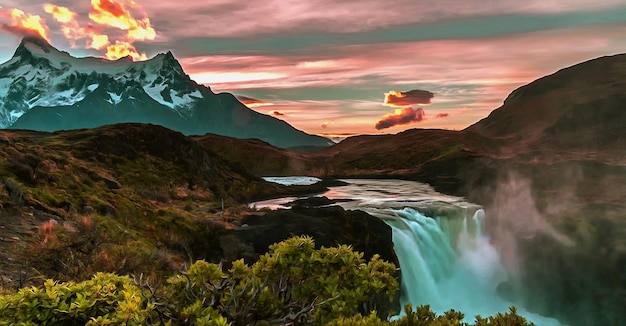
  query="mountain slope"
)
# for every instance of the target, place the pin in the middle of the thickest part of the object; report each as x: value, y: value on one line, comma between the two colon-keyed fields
x: 127, y: 198
x: 548, y: 165
x: 42, y: 88
x: 575, y: 112
x: 258, y: 157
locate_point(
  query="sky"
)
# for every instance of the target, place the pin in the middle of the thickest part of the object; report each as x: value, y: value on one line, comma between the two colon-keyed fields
x: 339, y: 68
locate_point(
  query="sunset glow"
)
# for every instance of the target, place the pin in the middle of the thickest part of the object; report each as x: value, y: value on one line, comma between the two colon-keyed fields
x: 72, y: 30
x: 117, y: 14
x: 212, y: 78
x: 103, y: 15
x: 339, y: 68
x: 21, y: 22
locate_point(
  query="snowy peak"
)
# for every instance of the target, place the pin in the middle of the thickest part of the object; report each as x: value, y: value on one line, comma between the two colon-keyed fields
x: 166, y: 66
x: 38, y: 51
x: 167, y: 60
x: 38, y: 74
x: 32, y: 45
x: 43, y: 88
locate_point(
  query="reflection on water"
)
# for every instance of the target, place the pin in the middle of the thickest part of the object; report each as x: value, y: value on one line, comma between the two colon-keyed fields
x: 391, y: 194
x: 288, y: 181
x: 369, y: 194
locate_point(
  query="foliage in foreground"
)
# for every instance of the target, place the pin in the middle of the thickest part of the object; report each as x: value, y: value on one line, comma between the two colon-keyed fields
x: 423, y: 316
x: 106, y: 299
x: 293, y: 283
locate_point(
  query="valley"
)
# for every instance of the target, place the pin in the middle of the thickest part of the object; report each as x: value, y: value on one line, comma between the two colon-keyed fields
x: 127, y: 195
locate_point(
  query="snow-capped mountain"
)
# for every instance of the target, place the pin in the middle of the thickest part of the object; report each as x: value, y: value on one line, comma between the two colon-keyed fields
x: 42, y: 88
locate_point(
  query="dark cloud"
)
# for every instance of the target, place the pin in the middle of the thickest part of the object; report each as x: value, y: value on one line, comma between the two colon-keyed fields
x: 401, y: 117
x: 408, y: 98
x: 277, y: 113
x: 442, y: 115
x: 249, y: 100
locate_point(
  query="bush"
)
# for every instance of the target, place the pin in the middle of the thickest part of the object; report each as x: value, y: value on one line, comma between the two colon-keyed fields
x: 106, y: 299
x: 293, y: 283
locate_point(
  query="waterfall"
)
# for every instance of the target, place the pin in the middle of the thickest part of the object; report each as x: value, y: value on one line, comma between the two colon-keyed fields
x: 448, y: 263
x: 446, y: 259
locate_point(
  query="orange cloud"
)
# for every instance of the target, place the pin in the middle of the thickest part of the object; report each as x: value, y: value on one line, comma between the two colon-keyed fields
x: 96, y: 40
x: 122, y: 49
x: 115, y: 14
x: 401, y: 117
x: 73, y: 31
x: 106, y: 14
x: 326, y: 124
x: 24, y: 24
x: 60, y: 14
x: 277, y: 113
x: 402, y: 99
x: 442, y: 115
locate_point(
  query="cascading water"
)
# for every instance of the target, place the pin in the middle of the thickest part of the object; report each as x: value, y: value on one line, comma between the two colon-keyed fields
x: 449, y: 263
x: 437, y: 272
x: 446, y: 259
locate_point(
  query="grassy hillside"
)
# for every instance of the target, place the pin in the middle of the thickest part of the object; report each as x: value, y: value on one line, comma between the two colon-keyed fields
x: 122, y: 198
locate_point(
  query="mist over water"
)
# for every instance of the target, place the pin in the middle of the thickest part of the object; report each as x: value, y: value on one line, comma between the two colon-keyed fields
x: 446, y: 258
x: 449, y: 263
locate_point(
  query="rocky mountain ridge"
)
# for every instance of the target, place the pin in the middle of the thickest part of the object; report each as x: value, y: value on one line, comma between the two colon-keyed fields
x: 42, y: 88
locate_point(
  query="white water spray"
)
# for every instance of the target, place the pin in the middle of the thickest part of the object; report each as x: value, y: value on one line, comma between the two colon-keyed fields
x: 449, y: 263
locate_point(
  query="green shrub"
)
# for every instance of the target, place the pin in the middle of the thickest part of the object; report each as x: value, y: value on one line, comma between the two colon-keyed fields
x: 423, y: 316
x: 293, y: 282
x: 358, y: 320
x: 106, y: 299
x: 511, y: 318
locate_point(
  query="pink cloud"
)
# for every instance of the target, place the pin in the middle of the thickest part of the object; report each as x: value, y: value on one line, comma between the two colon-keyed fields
x: 233, y: 17
x: 444, y: 63
x: 442, y: 115
x: 454, y: 69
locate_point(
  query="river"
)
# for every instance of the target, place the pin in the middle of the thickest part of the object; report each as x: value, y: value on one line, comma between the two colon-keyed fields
x: 445, y: 255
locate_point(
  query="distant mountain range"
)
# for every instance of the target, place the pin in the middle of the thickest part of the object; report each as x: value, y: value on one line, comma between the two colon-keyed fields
x: 44, y: 89
x: 575, y: 114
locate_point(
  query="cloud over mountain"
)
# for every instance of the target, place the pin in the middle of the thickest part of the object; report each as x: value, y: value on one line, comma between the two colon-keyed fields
x: 401, y: 117
x: 404, y: 100
x: 113, y: 26
x: 24, y: 24
x: 408, y: 98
